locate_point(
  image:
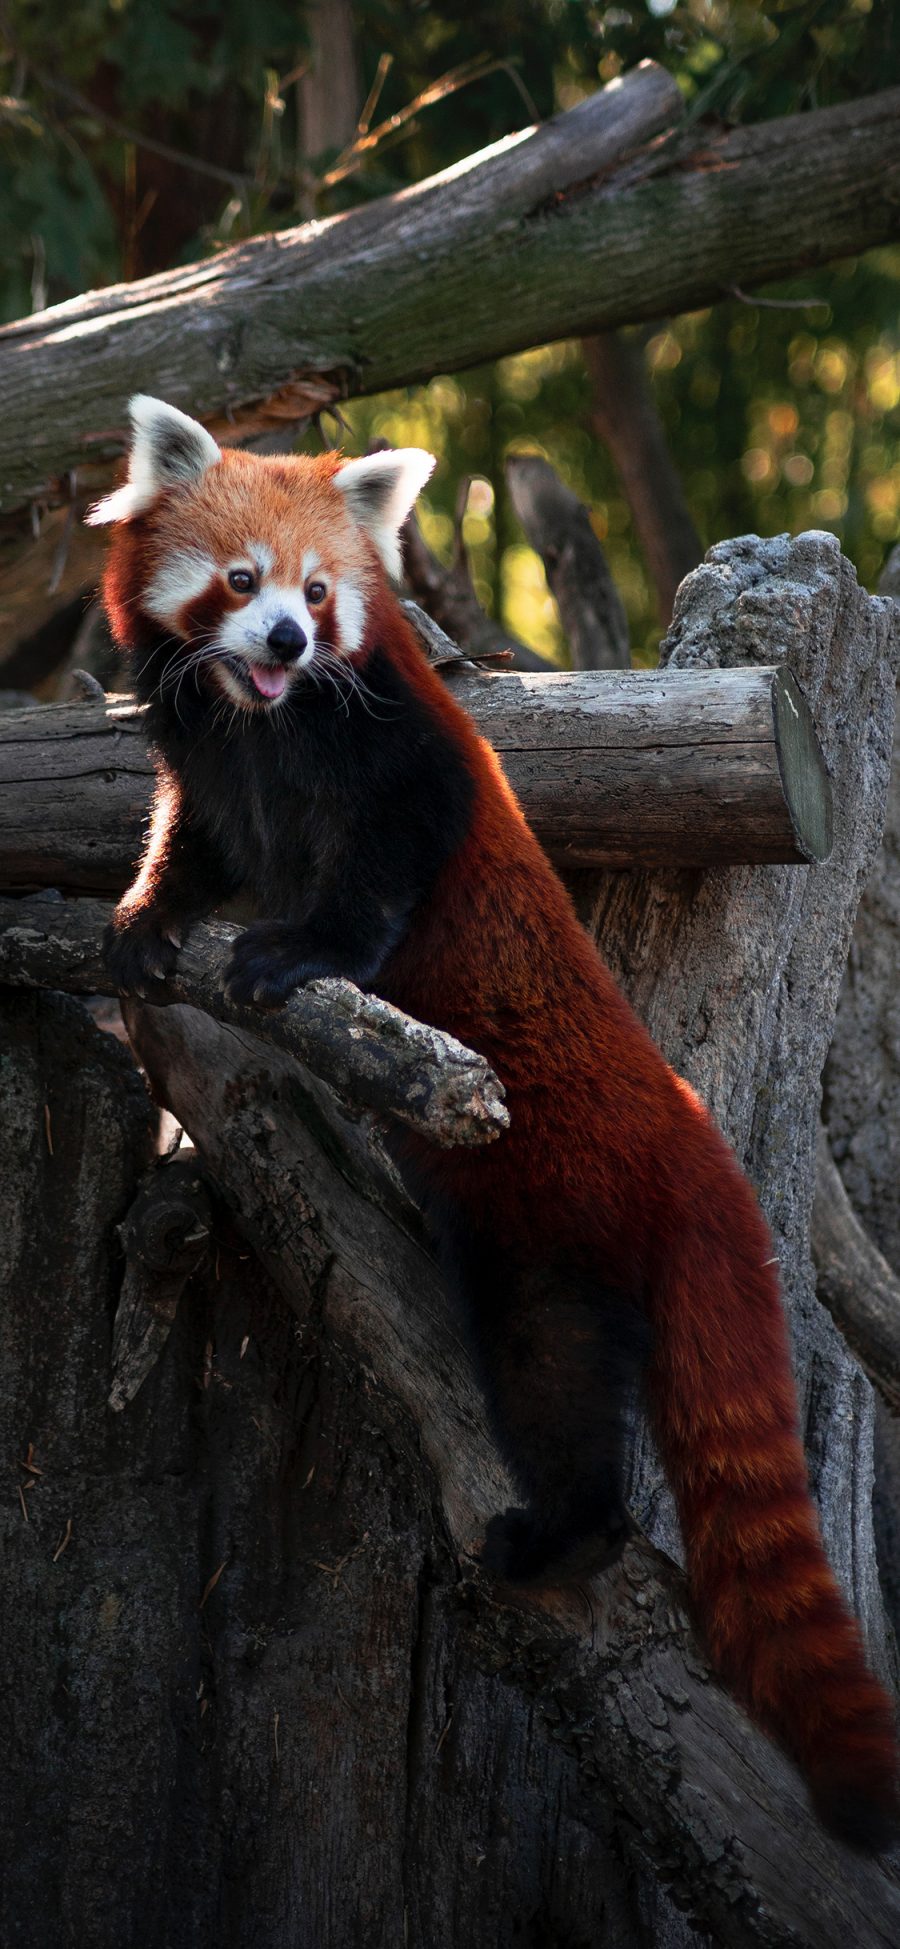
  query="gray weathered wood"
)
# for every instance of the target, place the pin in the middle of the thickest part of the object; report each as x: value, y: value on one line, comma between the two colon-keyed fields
x: 619, y: 768
x: 165, y: 1234
x: 490, y: 258
x: 306, y: 1751
x: 371, y: 1054
x: 611, y: 1666
x: 862, y: 1078
x: 857, y: 1285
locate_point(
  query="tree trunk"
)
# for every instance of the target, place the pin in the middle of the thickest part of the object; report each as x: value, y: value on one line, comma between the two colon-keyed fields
x: 265, y: 1692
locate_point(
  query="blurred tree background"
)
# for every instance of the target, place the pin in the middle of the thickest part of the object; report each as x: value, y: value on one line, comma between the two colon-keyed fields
x: 137, y: 134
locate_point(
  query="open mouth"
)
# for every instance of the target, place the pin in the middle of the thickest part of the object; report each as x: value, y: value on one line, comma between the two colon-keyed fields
x: 263, y: 683
x: 268, y: 679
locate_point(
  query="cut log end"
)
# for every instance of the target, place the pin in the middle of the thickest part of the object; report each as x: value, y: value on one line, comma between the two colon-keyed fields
x: 804, y: 773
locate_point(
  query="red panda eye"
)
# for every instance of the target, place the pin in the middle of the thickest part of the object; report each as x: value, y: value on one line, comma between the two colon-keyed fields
x: 316, y: 592
x: 241, y: 581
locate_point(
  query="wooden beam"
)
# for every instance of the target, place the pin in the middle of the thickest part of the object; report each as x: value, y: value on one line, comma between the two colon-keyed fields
x: 613, y: 768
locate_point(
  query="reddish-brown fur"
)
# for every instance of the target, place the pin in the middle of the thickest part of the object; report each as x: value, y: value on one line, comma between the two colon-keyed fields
x: 611, y: 1163
x: 610, y: 1153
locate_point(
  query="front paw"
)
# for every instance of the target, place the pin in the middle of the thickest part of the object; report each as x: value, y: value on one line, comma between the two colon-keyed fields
x: 265, y: 966
x: 139, y: 953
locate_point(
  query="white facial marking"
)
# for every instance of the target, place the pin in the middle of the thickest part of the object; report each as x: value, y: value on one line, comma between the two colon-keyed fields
x: 244, y: 631
x: 310, y: 563
x: 261, y: 556
x: 350, y: 610
x: 179, y: 579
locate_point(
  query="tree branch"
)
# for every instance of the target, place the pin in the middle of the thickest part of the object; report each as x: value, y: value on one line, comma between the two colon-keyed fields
x: 372, y: 1055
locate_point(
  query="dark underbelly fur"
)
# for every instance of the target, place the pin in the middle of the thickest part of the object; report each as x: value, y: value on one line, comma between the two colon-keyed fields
x: 337, y: 817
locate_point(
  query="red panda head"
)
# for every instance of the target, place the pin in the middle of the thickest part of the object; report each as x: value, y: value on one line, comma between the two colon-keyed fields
x: 259, y: 570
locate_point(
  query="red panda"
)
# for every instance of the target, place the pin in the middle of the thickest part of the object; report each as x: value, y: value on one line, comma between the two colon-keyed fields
x: 308, y: 755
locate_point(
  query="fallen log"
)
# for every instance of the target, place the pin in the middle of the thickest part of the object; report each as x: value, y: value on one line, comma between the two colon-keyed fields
x: 372, y: 1055
x: 559, y: 231
x: 613, y: 768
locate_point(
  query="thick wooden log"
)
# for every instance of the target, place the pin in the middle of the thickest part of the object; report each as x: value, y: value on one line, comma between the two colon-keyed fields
x: 613, y: 768
x: 553, y: 233
x: 372, y: 1055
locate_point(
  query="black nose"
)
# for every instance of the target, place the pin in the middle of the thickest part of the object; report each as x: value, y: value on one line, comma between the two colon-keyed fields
x: 286, y: 637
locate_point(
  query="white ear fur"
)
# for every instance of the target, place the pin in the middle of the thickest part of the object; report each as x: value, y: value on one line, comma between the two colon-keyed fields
x: 167, y: 450
x: 379, y: 493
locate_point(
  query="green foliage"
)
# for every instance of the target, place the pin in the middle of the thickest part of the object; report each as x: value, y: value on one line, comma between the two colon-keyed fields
x: 779, y: 419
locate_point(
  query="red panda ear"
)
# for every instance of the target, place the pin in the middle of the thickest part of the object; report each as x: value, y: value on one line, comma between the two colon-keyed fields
x: 380, y: 491
x: 167, y: 450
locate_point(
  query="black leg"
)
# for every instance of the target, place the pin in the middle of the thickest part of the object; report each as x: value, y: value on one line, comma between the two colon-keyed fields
x: 343, y: 936
x: 561, y: 1359
x: 561, y: 1377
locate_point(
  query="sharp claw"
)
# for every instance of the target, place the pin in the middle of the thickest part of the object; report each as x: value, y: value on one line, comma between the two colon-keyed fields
x: 174, y: 938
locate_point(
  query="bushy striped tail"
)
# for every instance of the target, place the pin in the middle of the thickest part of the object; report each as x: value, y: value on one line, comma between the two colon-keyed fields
x: 776, y: 1624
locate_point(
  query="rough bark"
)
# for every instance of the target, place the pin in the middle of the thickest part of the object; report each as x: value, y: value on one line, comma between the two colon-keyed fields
x: 611, y: 1667
x: 861, y: 1108
x: 164, y: 1235
x: 369, y: 1053
x: 558, y: 526
x: 862, y: 1077
x: 625, y: 416
x: 856, y: 1284
x: 304, y: 1751
x: 557, y: 233
x: 617, y: 768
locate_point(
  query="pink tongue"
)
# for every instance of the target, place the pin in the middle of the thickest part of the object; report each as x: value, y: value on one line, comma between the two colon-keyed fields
x: 269, y: 682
